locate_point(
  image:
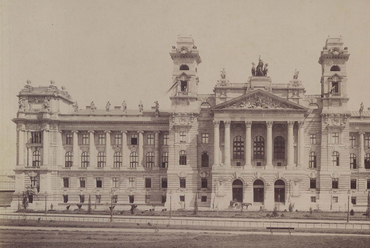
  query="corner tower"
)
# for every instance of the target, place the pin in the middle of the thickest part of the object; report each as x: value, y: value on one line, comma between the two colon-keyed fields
x: 184, y: 89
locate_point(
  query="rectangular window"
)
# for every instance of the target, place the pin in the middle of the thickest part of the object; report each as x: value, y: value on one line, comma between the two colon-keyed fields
x: 353, y: 200
x: 335, y: 138
x: 204, y: 199
x: 69, y: 139
x: 182, y: 198
x: 164, y: 198
x: 313, y: 183
x: 131, y: 182
x: 313, y: 139
x: 368, y: 184
x: 30, y: 198
x: 82, y: 182
x: 150, y: 139
x: 367, y: 140
x: 99, y: 182
x: 352, y: 140
x: 353, y: 183
x: 164, y: 182
x: 148, y: 183
x: 182, y: 182
x: 98, y: 199
x: 204, y: 183
x: 334, y: 183
x: 115, y: 198
x: 184, y: 86
x: 118, y: 139
x: 204, y: 138
x: 313, y: 198
x: 36, y: 137
x: 101, y: 139
x: 115, y: 182
x: 131, y: 198
x: 165, y: 139
x: 82, y: 198
x: 133, y: 139
x: 334, y: 88
x: 182, y: 137
x: 335, y: 199
x: 65, y: 182
x: 65, y: 198
x: 85, y: 139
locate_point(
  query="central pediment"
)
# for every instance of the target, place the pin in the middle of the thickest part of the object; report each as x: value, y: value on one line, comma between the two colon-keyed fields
x: 259, y: 100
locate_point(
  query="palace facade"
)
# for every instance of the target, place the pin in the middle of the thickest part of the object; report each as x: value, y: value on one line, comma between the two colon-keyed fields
x: 264, y: 143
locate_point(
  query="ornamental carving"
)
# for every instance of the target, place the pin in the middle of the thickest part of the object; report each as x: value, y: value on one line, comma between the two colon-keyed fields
x: 182, y: 118
x: 260, y: 102
x: 336, y: 120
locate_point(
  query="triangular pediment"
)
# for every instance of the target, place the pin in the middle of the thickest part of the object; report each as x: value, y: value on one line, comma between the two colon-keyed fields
x: 259, y: 100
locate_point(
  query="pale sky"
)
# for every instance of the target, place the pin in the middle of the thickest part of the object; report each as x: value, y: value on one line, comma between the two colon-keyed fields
x: 119, y: 50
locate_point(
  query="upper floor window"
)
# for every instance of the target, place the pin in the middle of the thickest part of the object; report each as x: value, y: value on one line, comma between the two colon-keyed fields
x: 133, y: 139
x: 182, y: 159
x: 131, y: 182
x: 335, y: 158
x: 164, y: 182
x: 115, y: 182
x: 82, y: 182
x: 99, y: 182
x: 101, y: 139
x: 36, y: 137
x: 36, y: 159
x: 149, y: 160
x: 335, y: 68
x: 85, y: 159
x: 279, y: 148
x: 165, y: 139
x: 204, y: 138
x: 367, y: 140
x: 101, y: 159
x: 204, y: 183
x: 165, y: 160
x: 65, y: 182
x: 205, y: 159
x: 353, y: 161
x: 182, y: 137
x: 133, y: 160
x: 182, y: 182
x: 118, y: 139
x: 313, y: 183
x: 335, y: 138
x: 69, y: 139
x: 334, y: 183
x: 312, y: 161
x: 258, y: 147
x: 69, y: 159
x: 367, y: 161
x: 334, y: 87
x: 353, y: 183
x: 85, y: 139
x: 150, y: 139
x: 184, y: 68
x: 184, y: 86
x: 148, y: 182
x: 117, y: 159
x: 238, y: 147
x: 352, y: 139
x: 313, y: 139
x: 368, y: 184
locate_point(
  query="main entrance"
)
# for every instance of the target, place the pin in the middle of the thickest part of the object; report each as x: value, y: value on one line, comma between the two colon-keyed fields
x: 238, y: 191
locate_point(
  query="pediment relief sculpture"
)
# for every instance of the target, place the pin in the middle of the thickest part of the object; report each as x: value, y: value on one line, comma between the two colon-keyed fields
x: 260, y: 102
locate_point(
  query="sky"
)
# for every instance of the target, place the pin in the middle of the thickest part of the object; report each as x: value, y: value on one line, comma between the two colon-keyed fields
x: 115, y: 50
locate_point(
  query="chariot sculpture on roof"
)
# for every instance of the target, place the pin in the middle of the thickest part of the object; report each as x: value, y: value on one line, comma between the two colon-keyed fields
x: 261, y: 70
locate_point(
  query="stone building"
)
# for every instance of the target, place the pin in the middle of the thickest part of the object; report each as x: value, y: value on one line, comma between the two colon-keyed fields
x: 258, y: 142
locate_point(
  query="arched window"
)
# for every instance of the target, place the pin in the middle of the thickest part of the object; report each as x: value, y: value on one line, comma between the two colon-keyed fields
x: 117, y: 159
x: 258, y: 147
x: 149, y: 160
x: 238, y: 147
x: 85, y: 159
x: 101, y: 159
x: 258, y: 191
x: 165, y: 160
x: 205, y: 159
x: 353, y: 161
x: 133, y: 160
x: 367, y: 161
x: 184, y: 68
x: 279, y: 148
x: 280, y: 191
x: 69, y: 159
x: 182, y: 159
x: 312, y: 161
x: 335, y: 68
x: 36, y: 159
x: 335, y: 158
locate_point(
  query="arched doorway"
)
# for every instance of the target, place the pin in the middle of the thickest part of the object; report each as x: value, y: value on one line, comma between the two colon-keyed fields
x: 238, y: 190
x: 258, y: 191
x: 280, y: 191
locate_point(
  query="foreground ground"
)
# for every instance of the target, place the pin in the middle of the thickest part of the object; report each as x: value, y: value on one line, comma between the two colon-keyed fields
x: 71, y: 239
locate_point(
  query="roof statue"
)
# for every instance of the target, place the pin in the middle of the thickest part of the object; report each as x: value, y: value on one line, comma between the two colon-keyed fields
x: 52, y: 82
x: 261, y: 70
x: 22, y: 105
x: 253, y: 69
x: 296, y: 73
x: 361, y: 108
x: 47, y: 104
x: 92, y: 106
x: 75, y: 106
x: 107, y: 106
x: 265, y: 70
x: 223, y: 74
x: 141, y: 107
x: 156, y: 106
x: 124, y: 106
x: 29, y: 82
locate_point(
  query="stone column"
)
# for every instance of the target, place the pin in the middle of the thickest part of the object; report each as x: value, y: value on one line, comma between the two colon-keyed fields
x: 227, y: 143
x: 248, y: 144
x: 45, y: 148
x: 216, y: 143
x: 301, y: 144
x: 125, y: 153
x: 21, y: 147
x: 29, y: 150
x: 76, y: 154
x: 108, y: 150
x: 61, y: 155
x: 141, y: 147
x: 290, y: 149
x: 92, y: 150
x: 269, y: 145
x: 361, y: 152
x: 156, y: 150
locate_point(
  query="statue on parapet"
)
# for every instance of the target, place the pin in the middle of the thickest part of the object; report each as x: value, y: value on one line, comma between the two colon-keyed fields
x: 141, y: 107
x: 75, y: 106
x: 92, y: 106
x: 156, y: 106
x: 223, y: 74
x: 124, y: 106
x: 253, y: 69
x: 265, y: 70
x: 22, y: 104
x: 296, y: 73
x: 47, y: 104
x: 107, y: 106
x: 361, y: 108
x: 261, y: 70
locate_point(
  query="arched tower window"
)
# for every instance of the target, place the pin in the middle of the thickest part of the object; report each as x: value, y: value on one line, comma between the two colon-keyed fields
x: 182, y: 158
x: 280, y: 191
x: 335, y: 68
x: 258, y: 191
x: 238, y: 147
x: 205, y: 159
x: 69, y: 159
x: 36, y: 159
x: 149, y: 160
x: 335, y: 158
x: 184, y: 67
x: 279, y: 148
x: 101, y: 159
x: 117, y: 159
x: 85, y: 159
x: 133, y: 160
x: 259, y: 147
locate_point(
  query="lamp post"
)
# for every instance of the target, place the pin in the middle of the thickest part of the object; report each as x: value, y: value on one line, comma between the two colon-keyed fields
x: 170, y: 204
x: 111, y: 204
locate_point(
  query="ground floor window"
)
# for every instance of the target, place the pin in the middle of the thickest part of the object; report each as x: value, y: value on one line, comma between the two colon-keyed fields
x: 204, y: 199
x: 313, y: 198
x: 258, y: 191
x: 353, y: 200
x: 131, y: 198
x: 82, y: 198
x: 182, y: 198
x: 164, y: 198
x: 65, y: 198
x: 280, y: 191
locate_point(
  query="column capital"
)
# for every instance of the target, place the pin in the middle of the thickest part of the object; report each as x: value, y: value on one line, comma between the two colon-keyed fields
x: 91, y: 131
x: 21, y: 130
x: 107, y: 131
x: 248, y: 123
x: 74, y: 131
x: 227, y: 124
x: 269, y: 124
x: 290, y: 123
x: 361, y: 133
x: 300, y: 123
x: 216, y: 123
x: 140, y: 132
x: 124, y: 131
x: 157, y: 132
